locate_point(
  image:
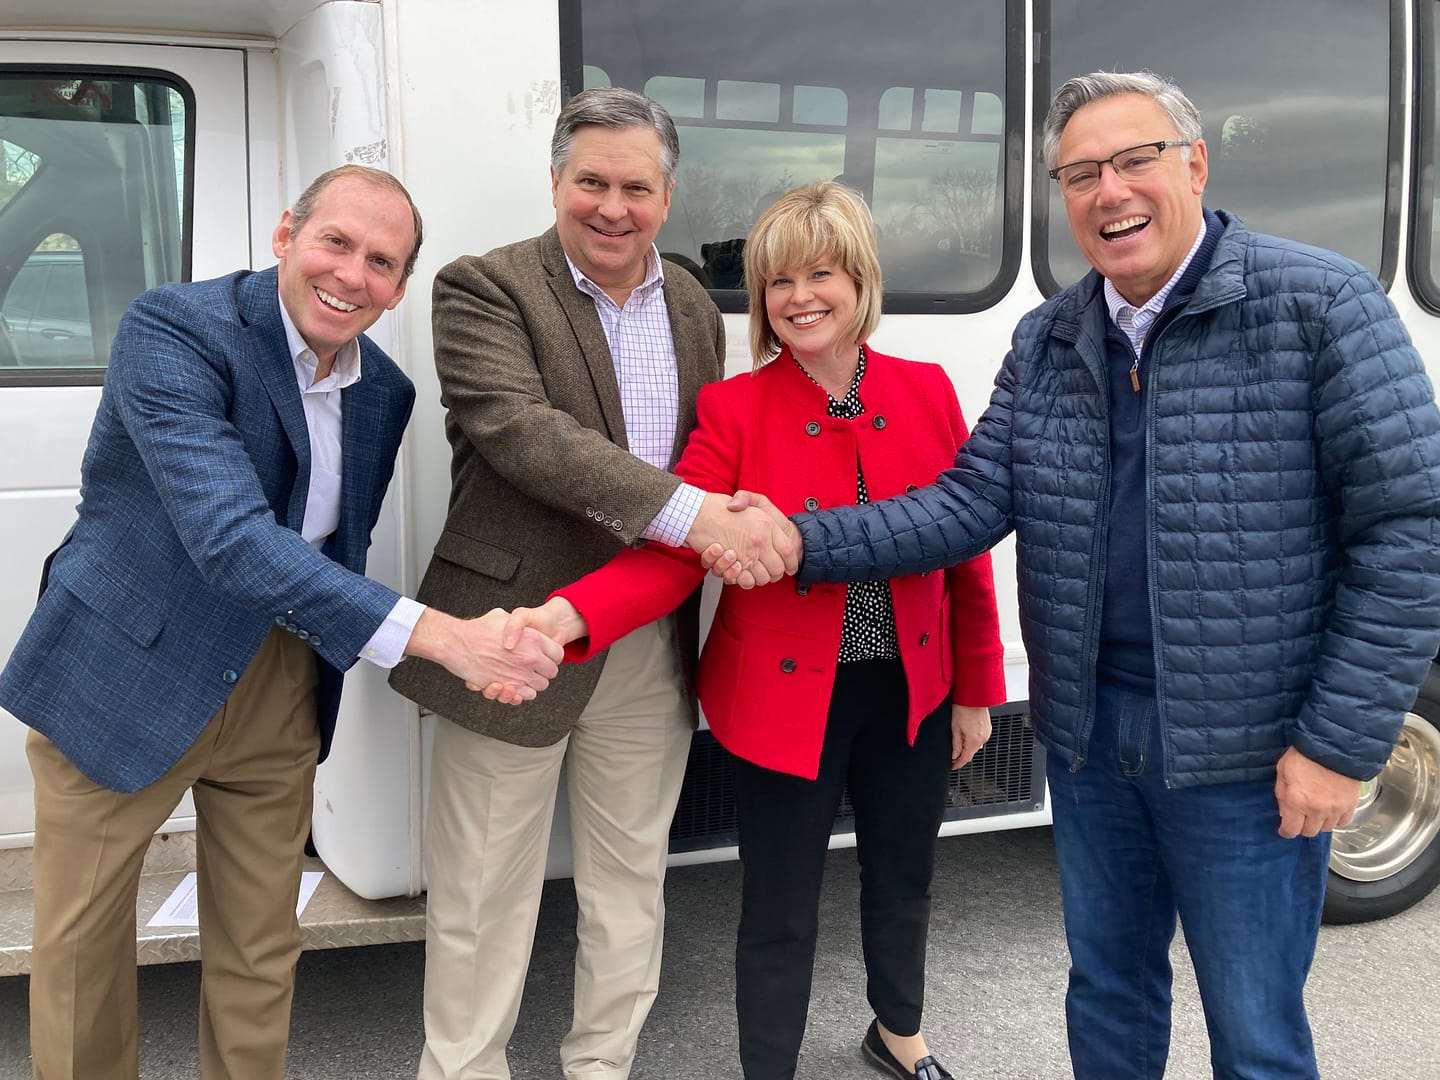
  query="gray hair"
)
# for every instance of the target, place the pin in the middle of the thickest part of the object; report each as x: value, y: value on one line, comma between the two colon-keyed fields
x: 615, y: 107
x: 1084, y: 89
x: 376, y: 178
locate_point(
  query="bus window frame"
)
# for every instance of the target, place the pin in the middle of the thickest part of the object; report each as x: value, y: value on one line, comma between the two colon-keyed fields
x: 1394, y: 142
x: 1012, y: 149
x: 1424, y: 277
x: 95, y: 375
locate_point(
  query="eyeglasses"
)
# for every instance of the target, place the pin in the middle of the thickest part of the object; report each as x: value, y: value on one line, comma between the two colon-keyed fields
x: 1132, y: 163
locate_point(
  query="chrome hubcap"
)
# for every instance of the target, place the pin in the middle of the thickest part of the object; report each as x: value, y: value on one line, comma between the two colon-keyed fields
x: 1399, y: 812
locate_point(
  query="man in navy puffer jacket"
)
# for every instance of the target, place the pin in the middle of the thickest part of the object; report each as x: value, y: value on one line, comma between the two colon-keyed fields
x: 1220, y: 456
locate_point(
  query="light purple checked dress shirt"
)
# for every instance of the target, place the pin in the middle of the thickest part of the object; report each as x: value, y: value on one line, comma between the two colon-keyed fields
x: 643, y: 351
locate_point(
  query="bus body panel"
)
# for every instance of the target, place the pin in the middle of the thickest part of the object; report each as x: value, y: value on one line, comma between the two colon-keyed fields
x: 459, y: 100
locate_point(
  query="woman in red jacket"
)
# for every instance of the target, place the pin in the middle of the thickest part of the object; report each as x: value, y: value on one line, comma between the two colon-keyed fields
x: 882, y: 685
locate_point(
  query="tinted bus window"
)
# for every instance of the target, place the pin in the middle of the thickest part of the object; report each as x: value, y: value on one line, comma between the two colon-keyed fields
x: 1295, y: 96
x: 919, y: 122
x: 1425, y: 249
x: 92, y: 194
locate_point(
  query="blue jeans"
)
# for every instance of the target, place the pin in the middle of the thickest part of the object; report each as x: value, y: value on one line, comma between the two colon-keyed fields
x: 1133, y: 854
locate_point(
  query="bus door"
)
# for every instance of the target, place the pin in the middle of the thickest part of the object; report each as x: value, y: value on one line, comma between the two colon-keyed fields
x: 121, y: 167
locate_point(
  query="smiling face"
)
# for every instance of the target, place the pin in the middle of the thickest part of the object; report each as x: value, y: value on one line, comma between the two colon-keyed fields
x: 610, y: 201
x: 344, y: 266
x: 1135, y: 232
x: 812, y: 310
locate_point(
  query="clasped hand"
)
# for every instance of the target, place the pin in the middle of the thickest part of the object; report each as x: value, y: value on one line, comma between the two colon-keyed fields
x: 556, y: 622
x: 479, y: 651
x: 744, y: 540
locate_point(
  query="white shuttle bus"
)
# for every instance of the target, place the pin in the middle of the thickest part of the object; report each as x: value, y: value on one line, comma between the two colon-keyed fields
x: 159, y: 140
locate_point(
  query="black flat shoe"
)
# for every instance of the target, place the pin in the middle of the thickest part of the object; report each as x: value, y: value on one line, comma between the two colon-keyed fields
x: 874, y: 1050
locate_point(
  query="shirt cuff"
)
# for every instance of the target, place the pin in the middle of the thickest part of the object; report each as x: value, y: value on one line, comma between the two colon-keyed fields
x: 672, y: 525
x: 387, y: 647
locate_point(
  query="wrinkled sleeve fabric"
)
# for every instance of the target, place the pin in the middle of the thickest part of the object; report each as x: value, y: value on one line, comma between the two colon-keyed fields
x: 1377, y: 437
x: 977, y: 653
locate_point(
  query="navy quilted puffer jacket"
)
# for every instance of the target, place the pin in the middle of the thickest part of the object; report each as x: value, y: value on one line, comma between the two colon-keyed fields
x: 1293, y: 522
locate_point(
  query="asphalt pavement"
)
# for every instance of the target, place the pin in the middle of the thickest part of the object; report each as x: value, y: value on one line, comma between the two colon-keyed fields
x: 994, y: 1008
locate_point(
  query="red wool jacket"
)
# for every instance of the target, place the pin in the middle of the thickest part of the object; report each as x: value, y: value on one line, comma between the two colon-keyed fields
x: 768, y: 666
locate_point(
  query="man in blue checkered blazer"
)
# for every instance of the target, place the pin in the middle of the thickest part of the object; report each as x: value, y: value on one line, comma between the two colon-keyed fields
x: 194, y: 625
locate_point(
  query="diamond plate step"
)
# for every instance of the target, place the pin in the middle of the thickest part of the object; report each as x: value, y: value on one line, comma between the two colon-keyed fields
x: 335, y: 917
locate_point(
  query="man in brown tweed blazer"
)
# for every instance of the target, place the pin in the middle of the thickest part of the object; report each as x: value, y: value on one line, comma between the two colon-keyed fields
x: 569, y: 365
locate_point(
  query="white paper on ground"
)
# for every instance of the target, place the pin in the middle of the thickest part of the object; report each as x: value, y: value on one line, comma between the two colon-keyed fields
x: 180, y: 907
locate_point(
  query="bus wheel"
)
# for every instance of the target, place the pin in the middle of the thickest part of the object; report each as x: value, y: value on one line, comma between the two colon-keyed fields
x: 1388, y: 858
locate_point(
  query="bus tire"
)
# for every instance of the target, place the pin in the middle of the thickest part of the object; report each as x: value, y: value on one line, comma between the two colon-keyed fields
x: 1388, y: 858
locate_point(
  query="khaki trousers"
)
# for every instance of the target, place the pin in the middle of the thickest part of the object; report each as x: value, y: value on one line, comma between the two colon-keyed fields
x: 487, y: 832
x: 252, y: 771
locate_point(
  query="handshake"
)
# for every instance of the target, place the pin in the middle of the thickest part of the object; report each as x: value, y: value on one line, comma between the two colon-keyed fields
x: 512, y: 656
x: 744, y: 540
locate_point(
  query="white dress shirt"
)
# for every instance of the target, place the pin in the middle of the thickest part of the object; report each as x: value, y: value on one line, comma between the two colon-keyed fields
x: 321, y: 401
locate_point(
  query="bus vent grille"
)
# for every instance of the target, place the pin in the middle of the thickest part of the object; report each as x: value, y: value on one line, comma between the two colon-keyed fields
x: 1007, y: 776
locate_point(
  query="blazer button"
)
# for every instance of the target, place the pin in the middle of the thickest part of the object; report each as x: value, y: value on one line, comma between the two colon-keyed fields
x: 315, y: 640
x: 229, y: 676
x: 924, y: 639
x: 802, y: 590
x: 303, y: 635
x: 812, y: 504
x: 878, y: 423
x: 787, y: 665
x: 290, y: 626
x: 279, y: 620
x: 812, y: 428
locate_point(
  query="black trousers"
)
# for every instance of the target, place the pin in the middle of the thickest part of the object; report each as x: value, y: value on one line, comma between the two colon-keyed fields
x: 898, y: 792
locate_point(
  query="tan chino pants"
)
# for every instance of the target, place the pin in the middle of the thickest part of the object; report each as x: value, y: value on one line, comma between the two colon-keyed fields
x: 252, y: 771
x: 487, y: 833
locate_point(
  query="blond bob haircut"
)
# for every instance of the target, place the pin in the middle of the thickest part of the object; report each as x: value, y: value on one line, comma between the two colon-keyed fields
x: 820, y: 222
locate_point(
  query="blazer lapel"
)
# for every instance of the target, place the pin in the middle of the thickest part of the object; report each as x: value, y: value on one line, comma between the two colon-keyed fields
x: 268, y: 352
x: 589, y: 334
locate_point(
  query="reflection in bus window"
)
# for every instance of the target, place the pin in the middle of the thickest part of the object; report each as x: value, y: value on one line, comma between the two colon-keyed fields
x: 681, y: 97
x: 17, y: 168
x: 1295, y: 102
x: 91, y: 210
x: 915, y: 122
x: 46, y: 311
x: 936, y: 199
x: 736, y: 100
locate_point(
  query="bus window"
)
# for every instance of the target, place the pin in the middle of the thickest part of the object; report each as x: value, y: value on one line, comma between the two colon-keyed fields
x: 937, y: 197
x: 1296, y: 99
x: 1425, y: 247
x: 92, y: 198
x: 918, y: 123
